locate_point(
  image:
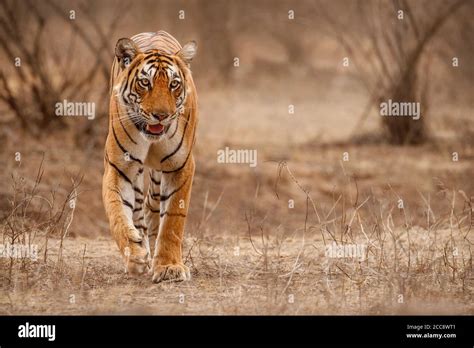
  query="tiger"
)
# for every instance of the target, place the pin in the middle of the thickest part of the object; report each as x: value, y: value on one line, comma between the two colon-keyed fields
x: 152, y: 123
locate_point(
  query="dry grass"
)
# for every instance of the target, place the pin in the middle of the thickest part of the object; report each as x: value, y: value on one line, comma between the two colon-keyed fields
x: 271, y: 260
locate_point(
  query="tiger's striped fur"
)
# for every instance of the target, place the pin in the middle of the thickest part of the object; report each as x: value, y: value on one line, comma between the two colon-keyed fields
x: 152, y: 125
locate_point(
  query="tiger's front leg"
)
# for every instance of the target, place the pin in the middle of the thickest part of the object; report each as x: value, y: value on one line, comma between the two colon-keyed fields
x: 122, y: 203
x: 174, y: 202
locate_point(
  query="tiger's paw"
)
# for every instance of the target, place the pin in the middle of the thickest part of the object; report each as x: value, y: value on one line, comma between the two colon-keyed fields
x: 171, y: 272
x: 137, y: 259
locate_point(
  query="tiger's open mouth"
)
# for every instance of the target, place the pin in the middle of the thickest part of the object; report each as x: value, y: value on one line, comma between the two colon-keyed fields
x: 155, y: 129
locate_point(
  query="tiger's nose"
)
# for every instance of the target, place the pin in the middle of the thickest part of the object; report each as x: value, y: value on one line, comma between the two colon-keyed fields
x: 160, y: 116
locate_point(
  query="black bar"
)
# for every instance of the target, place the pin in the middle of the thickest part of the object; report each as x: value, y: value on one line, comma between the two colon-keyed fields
x: 219, y: 330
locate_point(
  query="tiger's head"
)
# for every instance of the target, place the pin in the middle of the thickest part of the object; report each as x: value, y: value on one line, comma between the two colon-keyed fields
x: 152, y: 86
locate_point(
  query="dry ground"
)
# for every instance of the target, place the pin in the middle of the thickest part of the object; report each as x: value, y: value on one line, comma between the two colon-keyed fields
x: 232, y: 276
x: 264, y: 258
x: 248, y: 251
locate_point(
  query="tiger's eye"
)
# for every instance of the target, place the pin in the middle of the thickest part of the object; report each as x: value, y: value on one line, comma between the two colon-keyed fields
x: 144, y: 82
x: 174, y: 84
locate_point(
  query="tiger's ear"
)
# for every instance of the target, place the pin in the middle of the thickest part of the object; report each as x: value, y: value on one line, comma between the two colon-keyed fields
x: 188, y: 52
x: 125, y: 51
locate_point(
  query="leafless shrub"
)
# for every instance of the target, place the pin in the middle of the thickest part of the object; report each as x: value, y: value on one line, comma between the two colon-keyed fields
x: 46, y: 66
x: 388, y: 49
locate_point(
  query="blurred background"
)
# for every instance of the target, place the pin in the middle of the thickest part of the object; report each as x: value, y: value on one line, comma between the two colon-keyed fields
x: 301, y: 82
x: 331, y: 62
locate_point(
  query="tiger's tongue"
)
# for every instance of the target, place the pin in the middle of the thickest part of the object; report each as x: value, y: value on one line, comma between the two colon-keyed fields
x: 156, y: 128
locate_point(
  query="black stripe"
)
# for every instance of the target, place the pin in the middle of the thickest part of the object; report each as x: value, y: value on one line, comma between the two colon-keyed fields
x: 127, y: 203
x: 164, y: 60
x: 137, y: 209
x: 173, y: 214
x: 154, y: 180
x: 124, y: 150
x: 124, y: 201
x: 125, y: 130
x: 151, y: 209
x: 181, y: 167
x: 137, y: 200
x: 154, y: 195
x: 133, y: 94
x: 151, y: 54
x: 166, y: 197
x: 187, y: 157
x: 180, y: 143
x: 118, y: 201
x: 136, y: 189
x: 175, y: 130
x: 159, y: 62
x: 140, y: 226
x: 125, y: 87
x: 137, y: 125
x: 122, y: 174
